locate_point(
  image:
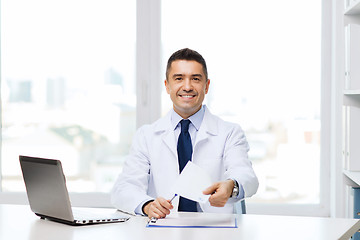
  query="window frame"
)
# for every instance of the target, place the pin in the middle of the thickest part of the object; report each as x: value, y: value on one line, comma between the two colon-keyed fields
x: 148, y: 109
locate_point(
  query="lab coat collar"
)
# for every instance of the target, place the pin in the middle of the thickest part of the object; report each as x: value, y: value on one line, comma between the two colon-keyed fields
x: 209, y: 127
x: 209, y: 123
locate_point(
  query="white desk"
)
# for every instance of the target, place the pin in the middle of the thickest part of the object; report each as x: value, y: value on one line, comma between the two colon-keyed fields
x: 18, y: 222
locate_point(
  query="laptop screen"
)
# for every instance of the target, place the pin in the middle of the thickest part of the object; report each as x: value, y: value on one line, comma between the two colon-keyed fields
x: 46, y: 187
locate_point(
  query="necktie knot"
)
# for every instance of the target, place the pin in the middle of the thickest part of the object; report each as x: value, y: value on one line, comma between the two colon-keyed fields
x: 185, y: 125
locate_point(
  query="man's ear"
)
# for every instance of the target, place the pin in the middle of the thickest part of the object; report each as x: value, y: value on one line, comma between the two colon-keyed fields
x: 167, y: 86
x: 207, y: 86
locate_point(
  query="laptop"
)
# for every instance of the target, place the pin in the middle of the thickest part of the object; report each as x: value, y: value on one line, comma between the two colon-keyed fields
x: 49, y: 199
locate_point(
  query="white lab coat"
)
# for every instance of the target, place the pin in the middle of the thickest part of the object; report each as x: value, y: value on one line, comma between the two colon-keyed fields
x: 151, y: 167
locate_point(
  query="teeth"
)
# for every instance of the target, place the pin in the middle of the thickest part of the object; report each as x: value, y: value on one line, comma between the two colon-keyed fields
x: 187, y: 96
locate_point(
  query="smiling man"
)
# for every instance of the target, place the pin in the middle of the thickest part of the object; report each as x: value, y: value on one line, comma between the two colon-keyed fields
x: 187, y: 85
x: 189, y: 132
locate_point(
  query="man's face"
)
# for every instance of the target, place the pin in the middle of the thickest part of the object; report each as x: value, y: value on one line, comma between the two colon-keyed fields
x: 187, y: 86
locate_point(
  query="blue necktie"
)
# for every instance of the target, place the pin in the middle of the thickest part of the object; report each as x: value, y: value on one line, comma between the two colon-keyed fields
x: 184, y: 149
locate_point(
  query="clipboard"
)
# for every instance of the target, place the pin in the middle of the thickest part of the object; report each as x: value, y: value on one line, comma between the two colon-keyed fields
x: 197, y: 220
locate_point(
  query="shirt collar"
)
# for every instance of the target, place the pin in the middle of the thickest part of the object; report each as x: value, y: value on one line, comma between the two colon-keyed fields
x: 195, y: 119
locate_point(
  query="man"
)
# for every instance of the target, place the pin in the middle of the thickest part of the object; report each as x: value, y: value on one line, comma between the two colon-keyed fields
x: 188, y: 132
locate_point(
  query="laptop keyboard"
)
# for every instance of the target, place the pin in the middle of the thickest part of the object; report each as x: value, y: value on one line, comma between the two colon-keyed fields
x: 83, y: 216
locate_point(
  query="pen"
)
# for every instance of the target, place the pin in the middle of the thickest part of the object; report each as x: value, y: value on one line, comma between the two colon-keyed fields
x: 173, y: 197
x: 153, y: 219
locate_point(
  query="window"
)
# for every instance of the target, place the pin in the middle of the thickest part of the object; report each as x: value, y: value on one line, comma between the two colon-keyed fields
x: 264, y: 65
x: 68, y: 88
x: 75, y: 80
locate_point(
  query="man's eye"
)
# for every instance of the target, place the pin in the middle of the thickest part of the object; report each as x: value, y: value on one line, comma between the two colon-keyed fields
x: 178, y: 78
x: 196, y: 79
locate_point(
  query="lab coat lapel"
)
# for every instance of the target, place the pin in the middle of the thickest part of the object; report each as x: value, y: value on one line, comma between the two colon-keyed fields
x: 169, y: 140
x: 207, y: 129
x: 164, y: 129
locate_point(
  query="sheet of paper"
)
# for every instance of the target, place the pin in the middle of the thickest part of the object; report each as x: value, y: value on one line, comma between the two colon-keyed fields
x: 192, y: 181
x: 178, y: 220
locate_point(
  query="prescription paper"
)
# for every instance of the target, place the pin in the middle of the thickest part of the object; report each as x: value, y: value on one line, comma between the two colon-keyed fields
x: 192, y: 181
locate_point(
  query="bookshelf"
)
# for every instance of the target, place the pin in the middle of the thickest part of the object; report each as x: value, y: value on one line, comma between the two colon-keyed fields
x: 351, y: 92
x: 351, y: 108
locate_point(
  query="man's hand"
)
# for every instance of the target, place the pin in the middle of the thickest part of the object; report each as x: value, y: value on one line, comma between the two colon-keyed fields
x: 220, y: 192
x: 158, y: 208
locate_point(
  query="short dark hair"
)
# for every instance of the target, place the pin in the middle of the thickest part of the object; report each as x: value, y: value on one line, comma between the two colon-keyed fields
x: 186, y: 54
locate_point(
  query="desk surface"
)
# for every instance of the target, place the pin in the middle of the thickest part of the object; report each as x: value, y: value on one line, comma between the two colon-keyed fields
x: 18, y: 222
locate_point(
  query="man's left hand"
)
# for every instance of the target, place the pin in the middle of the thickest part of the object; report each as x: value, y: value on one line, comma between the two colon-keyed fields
x: 220, y: 192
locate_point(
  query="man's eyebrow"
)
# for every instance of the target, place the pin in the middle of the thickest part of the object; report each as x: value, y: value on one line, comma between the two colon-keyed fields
x: 178, y: 75
x: 197, y: 75
x: 192, y: 75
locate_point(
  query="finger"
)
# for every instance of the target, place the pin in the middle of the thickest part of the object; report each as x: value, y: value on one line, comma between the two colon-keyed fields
x: 155, y: 212
x: 218, y: 199
x: 161, y: 207
x: 165, y: 204
x: 170, y: 204
x: 211, y: 189
x: 151, y: 213
x: 154, y: 215
x: 217, y: 203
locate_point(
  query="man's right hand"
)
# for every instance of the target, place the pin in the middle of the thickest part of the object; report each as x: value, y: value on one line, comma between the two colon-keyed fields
x: 158, y: 208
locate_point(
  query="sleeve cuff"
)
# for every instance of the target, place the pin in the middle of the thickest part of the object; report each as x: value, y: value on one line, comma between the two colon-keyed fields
x: 140, y: 208
x: 241, y: 191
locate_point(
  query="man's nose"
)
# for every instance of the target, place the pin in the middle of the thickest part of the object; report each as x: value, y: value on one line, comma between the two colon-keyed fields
x: 187, y: 85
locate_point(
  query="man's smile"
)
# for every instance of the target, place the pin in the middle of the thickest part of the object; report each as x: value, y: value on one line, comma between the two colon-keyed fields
x: 187, y: 95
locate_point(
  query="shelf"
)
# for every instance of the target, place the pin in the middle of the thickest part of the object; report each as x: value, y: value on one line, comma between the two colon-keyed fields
x: 352, y: 92
x: 354, y: 177
x: 353, y: 9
